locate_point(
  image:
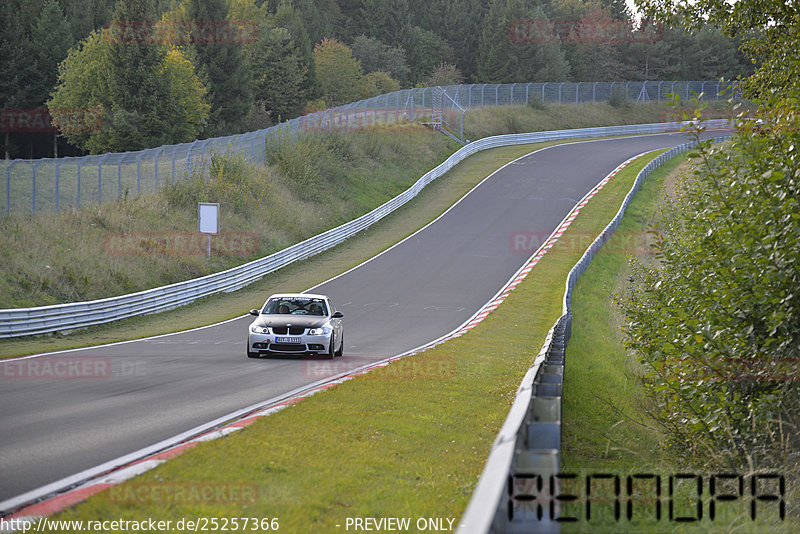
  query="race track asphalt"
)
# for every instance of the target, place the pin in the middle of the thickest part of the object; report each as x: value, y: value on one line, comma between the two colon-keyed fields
x: 149, y: 390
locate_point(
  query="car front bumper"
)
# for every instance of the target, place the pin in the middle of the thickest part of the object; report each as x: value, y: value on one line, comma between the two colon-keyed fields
x: 274, y: 344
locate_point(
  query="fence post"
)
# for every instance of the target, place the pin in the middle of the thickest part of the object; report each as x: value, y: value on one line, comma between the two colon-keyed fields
x: 139, y: 173
x: 155, y: 163
x: 577, y: 91
x: 8, y: 186
x: 100, y: 179
x: 33, y: 184
x: 512, y: 94
x: 79, y: 182
x: 188, y: 158
x: 543, y: 86
x: 559, y: 92
x: 58, y: 176
x: 119, y: 179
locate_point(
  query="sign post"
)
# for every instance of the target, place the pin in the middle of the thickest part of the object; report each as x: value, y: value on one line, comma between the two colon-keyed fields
x: 208, y: 221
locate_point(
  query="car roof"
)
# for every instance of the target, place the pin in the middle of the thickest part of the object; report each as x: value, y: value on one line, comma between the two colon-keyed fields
x: 297, y: 295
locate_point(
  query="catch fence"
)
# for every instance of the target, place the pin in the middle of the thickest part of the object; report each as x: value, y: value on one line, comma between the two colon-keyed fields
x: 55, y: 184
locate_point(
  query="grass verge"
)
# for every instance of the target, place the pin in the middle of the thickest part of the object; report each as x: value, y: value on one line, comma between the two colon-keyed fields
x: 606, y: 427
x: 483, y: 122
x: 407, y: 440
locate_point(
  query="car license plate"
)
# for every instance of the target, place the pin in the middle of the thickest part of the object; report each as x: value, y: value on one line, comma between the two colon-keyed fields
x: 287, y: 340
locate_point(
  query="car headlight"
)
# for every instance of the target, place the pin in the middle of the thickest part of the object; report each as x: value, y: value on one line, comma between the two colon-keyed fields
x: 259, y: 329
x: 319, y: 331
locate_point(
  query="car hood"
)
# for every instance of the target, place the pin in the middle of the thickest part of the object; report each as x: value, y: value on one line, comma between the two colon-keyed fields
x: 306, y: 321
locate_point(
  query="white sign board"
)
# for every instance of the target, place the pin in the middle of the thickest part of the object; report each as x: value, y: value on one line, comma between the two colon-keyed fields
x: 208, y: 217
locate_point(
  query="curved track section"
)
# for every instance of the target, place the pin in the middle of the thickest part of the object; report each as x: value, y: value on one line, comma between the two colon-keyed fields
x: 127, y: 396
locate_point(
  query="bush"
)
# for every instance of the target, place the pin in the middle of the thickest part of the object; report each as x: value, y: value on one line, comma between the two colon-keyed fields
x: 717, y: 321
x: 231, y: 181
x: 619, y: 99
x: 536, y: 102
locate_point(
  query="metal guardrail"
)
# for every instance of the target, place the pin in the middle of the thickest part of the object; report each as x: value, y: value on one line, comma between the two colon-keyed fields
x: 528, y: 447
x: 17, y: 322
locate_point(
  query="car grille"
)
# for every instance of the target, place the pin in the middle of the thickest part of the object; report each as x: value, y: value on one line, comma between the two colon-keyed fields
x: 287, y: 347
x: 292, y: 330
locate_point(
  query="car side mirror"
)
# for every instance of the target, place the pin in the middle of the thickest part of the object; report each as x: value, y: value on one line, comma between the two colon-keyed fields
x: 254, y: 312
x: 337, y: 315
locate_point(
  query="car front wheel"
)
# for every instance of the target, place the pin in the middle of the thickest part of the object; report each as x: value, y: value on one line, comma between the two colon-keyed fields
x: 332, y: 349
x: 341, y: 348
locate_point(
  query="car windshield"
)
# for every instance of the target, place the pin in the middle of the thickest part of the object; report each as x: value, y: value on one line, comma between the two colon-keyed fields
x: 295, y: 306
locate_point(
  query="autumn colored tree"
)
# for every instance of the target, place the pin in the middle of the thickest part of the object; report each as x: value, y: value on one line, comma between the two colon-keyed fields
x: 340, y: 75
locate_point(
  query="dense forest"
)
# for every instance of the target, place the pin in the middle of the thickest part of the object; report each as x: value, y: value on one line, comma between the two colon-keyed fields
x: 129, y: 74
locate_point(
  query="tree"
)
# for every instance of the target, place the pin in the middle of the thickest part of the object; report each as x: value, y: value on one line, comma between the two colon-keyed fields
x: 52, y: 38
x: 426, y: 51
x: 772, y: 28
x: 83, y: 87
x: 83, y: 104
x: 190, y: 94
x: 280, y: 73
x: 290, y: 18
x: 221, y: 67
x: 142, y: 112
x: 20, y: 77
x: 445, y: 74
x: 524, y: 57
x: 339, y: 73
x: 376, y: 56
x: 379, y: 83
x: 458, y: 23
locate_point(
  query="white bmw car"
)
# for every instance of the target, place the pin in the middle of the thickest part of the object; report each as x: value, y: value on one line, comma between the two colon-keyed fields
x: 296, y: 323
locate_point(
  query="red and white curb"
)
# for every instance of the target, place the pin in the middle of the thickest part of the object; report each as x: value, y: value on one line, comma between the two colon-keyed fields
x: 529, y: 265
x: 32, y: 513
